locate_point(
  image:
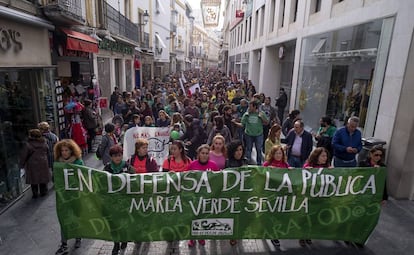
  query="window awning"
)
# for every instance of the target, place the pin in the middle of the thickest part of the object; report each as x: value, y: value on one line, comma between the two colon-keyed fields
x: 160, y: 40
x: 79, y: 41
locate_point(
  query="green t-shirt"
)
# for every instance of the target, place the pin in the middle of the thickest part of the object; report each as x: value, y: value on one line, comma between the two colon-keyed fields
x: 328, y: 133
x: 252, y: 123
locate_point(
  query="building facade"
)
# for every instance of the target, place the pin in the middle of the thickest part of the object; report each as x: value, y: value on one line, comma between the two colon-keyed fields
x: 27, y: 95
x: 339, y: 58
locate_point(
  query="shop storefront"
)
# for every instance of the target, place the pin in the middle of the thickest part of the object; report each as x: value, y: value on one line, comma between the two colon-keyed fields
x: 27, y: 95
x: 147, y: 62
x: 336, y: 73
x: 115, y: 63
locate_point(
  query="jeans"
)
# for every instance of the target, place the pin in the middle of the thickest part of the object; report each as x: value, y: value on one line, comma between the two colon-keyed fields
x: 63, y: 240
x: 91, y: 136
x: 280, y: 113
x: 344, y: 163
x: 265, y: 134
x: 295, y: 162
x: 258, y: 141
x: 39, y: 187
x: 240, y: 134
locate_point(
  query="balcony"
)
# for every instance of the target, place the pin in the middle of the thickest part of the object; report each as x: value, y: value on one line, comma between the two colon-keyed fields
x: 65, y: 12
x: 118, y: 24
x: 144, y: 42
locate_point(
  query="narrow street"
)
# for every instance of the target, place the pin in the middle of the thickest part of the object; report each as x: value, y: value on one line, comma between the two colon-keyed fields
x: 30, y: 227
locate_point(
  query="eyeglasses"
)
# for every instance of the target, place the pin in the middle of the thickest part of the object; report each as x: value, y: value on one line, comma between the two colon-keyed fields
x: 377, y: 155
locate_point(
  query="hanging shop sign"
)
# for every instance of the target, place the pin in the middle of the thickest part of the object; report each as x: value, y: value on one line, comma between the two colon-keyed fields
x: 116, y: 46
x: 64, y: 52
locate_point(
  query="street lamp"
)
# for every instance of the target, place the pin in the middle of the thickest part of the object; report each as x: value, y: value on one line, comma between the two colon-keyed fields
x: 145, y: 17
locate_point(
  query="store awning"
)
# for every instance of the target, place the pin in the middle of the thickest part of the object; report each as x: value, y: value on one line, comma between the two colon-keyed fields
x: 79, y: 41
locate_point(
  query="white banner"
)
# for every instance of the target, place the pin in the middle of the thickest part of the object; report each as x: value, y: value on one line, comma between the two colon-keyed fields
x: 182, y: 87
x: 193, y: 88
x: 158, y: 142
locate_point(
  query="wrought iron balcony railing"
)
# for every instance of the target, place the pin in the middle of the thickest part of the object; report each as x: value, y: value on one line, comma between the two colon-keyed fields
x: 118, y: 24
x: 144, y: 43
x: 65, y: 11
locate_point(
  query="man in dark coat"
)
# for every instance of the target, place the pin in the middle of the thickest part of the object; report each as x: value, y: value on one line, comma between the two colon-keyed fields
x: 89, y: 121
x: 114, y: 99
x: 299, y: 144
x: 281, y: 103
x: 194, y: 135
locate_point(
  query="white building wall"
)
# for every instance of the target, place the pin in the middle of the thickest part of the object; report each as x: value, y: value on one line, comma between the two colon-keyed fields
x: 160, y: 22
x: 334, y: 16
x: 182, y: 21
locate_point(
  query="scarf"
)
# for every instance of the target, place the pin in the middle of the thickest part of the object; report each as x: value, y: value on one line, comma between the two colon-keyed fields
x: 117, y: 168
x: 70, y: 160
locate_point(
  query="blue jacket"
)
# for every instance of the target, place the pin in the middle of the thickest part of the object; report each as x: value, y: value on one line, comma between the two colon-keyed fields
x: 307, y: 144
x: 343, y: 139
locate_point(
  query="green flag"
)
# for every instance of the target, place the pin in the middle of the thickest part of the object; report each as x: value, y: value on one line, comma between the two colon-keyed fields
x: 244, y: 203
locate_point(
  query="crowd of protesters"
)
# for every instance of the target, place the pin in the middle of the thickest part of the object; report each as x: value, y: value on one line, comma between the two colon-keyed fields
x: 214, y: 122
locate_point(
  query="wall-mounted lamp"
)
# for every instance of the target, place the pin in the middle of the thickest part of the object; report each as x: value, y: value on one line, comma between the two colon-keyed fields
x: 95, y: 36
x: 109, y: 37
x: 145, y: 18
x: 171, y: 37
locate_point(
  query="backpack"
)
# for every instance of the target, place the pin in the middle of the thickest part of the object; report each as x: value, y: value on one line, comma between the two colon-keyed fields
x: 101, y: 147
x: 203, y: 135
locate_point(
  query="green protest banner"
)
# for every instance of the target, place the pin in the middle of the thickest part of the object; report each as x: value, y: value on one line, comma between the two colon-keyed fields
x: 245, y: 203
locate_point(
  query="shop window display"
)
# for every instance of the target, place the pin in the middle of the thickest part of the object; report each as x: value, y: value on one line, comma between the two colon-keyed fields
x: 17, y: 101
x: 336, y: 71
x: 26, y: 98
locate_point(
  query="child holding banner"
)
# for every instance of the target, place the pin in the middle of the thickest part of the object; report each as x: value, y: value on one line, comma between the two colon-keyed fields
x: 67, y: 151
x: 116, y: 166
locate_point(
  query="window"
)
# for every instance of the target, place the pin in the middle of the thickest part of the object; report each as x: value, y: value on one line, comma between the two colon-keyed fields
x: 295, y: 10
x: 282, y: 13
x: 256, y: 23
x: 272, y: 16
x: 179, y: 42
x: 262, y: 18
x: 246, y: 30
x: 241, y: 33
x: 317, y: 5
x: 250, y: 29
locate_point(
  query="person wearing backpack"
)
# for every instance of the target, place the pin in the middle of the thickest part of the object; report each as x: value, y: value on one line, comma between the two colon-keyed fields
x: 108, y: 140
x: 140, y: 160
x: 219, y: 129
